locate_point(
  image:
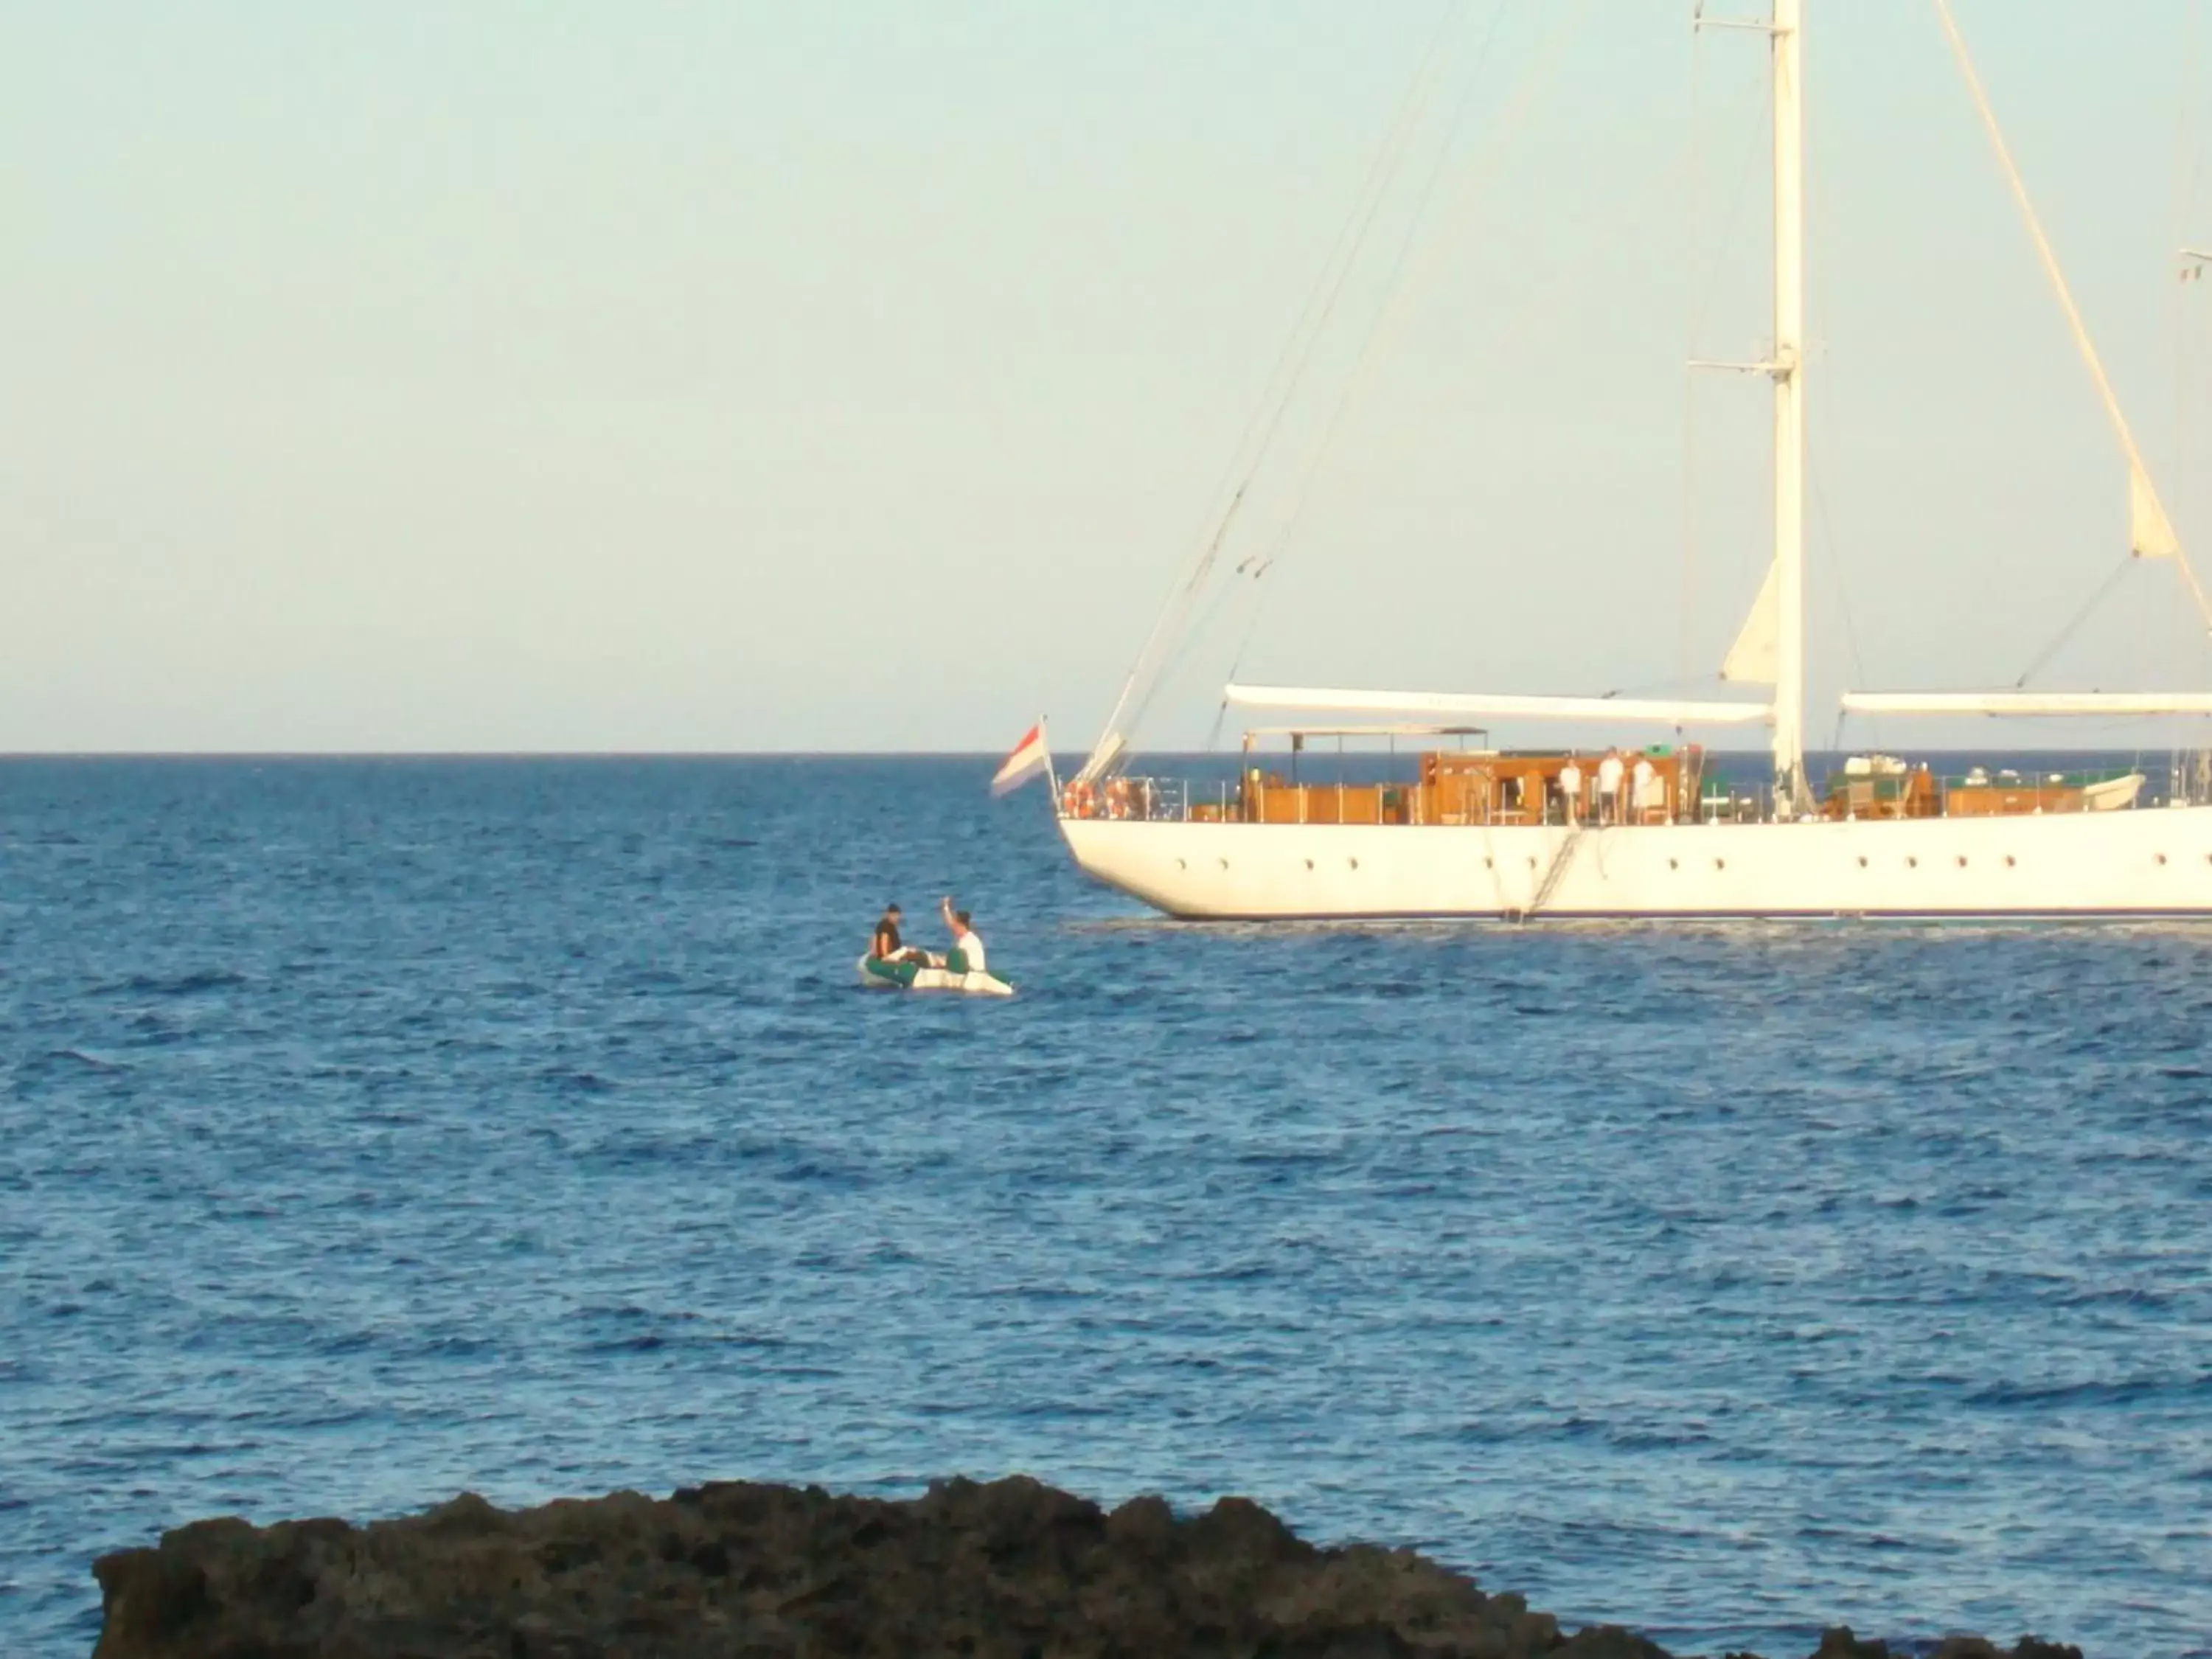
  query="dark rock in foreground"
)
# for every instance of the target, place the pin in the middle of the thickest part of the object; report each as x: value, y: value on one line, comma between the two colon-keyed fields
x: 1009, y: 1569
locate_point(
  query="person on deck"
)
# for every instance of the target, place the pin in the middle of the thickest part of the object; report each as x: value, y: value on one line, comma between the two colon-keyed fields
x: 886, y: 946
x: 1609, y: 771
x: 1646, y: 793
x: 966, y: 956
x: 1571, y: 790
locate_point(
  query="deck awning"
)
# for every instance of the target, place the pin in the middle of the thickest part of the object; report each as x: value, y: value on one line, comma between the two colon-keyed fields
x: 1500, y: 706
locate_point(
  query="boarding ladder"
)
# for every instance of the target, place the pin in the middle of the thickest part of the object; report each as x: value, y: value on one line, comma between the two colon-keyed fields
x: 1553, y: 875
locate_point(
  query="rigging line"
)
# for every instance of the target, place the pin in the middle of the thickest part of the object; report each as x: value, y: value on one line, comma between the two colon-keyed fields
x: 1755, y: 133
x: 1213, y: 732
x: 1700, y: 298
x: 2139, y: 476
x: 1327, y: 290
x: 2189, y: 159
x: 1664, y: 688
x: 1394, y: 302
x: 1420, y: 216
x: 2104, y: 591
x: 1395, y: 279
x: 1394, y: 282
x: 1835, y: 565
x: 1248, y: 595
x: 2190, y: 155
x: 1354, y: 238
x: 1328, y: 286
x: 1258, y: 565
x: 1819, y: 225
x: 1251, y: 622
x: 1691, y: 202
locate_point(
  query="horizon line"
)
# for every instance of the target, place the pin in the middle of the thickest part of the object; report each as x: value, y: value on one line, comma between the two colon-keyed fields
x: 23, y: 755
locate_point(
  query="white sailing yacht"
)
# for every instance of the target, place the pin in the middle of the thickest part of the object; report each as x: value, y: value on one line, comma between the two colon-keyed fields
x: 1643, y: 832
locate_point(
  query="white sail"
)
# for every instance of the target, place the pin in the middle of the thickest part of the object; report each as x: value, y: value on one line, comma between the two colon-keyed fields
x: 1751, y: 659
x: 2150, y: 532
x: 2029, y: 702
x: 1668, y: 712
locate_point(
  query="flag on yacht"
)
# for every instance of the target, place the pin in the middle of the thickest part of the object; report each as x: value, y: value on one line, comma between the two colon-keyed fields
x: 1030, y: 757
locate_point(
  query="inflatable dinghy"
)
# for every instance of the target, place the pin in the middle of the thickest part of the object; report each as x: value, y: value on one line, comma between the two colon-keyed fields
x: 930, y: 976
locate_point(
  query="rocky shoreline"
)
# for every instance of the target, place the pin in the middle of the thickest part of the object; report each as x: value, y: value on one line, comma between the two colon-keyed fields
x: 1012, y: 1568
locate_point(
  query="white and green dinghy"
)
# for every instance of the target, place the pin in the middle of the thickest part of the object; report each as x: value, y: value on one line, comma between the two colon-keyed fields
x: 930, y: 976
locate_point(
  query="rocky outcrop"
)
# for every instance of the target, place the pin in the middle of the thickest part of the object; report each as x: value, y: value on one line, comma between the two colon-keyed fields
x: 1011, y: 1569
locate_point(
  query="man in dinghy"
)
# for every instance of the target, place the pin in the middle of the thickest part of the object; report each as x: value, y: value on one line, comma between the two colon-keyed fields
x: 966, y: 956
x: 887, y: 945
x: 962, y: 969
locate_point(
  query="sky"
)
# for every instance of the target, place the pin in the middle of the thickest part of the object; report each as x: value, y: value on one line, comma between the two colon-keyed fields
x: 731, y: 377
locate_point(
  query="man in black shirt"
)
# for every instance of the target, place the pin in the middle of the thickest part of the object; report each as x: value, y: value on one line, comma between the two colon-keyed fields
x: 885, y: 946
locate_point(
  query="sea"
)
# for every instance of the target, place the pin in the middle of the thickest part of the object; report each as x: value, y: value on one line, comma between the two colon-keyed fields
x: 377, y: 1129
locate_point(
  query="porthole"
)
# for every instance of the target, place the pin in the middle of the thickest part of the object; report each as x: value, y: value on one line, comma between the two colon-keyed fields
x: 1913, y: 863
x: 1532, y: 864
x: 1962, y: 861
x: 2161, y: 858
x: 1673, y: 864
x: 1224, y: 863
x: 1308, y: 864
x: 1180, y: 865
x: 1490, y: 864
x: 2010, y: 860
x: 1720, y: 863
x: 1354, y: 863
x: 1863, y: 861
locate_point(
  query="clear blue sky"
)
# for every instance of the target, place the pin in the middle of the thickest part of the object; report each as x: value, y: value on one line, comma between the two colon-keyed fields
x: 747, y: 376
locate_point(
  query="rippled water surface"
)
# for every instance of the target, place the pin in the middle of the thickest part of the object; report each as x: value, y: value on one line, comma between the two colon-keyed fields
x: 373, y: 1130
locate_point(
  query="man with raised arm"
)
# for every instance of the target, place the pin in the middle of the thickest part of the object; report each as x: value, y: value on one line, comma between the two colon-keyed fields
x: 966, y: 956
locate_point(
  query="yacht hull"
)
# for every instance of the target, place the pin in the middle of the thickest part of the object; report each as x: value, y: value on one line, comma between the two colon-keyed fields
x: 2146, y: 862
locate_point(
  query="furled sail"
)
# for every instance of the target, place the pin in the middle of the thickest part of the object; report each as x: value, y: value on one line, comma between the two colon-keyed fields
x: 2027, y: 702
x: 1751, y: 659
x: 1110, y: 750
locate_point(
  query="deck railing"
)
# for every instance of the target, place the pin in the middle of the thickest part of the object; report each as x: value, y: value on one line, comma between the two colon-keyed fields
x: 1186, y: 801
x: 1160, y: 799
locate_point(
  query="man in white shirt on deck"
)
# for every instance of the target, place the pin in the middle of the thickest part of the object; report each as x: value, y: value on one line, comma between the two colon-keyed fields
x: 1608, y: 787
x: 1571, y: 790
x: 966, y: 956
x: 1646, y: 794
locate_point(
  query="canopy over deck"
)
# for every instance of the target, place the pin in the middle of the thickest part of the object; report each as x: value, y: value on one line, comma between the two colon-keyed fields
x: 1373, y: 730
x: 1500, y: 705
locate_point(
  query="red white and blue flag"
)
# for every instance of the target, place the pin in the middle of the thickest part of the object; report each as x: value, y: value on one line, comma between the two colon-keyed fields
x: 1030, y: 759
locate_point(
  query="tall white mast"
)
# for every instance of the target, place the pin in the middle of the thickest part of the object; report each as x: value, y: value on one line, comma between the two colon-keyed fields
x: 1788, y: 372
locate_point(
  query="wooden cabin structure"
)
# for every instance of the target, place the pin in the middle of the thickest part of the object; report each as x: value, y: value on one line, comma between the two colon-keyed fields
x: 1660, y: 784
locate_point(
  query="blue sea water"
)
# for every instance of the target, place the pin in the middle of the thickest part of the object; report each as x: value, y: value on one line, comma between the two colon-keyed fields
x: 373, y: 1130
